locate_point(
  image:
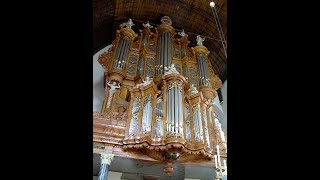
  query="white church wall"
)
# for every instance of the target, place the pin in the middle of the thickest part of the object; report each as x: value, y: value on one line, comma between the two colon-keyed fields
x: 224, y: 106
x: 98, y: 90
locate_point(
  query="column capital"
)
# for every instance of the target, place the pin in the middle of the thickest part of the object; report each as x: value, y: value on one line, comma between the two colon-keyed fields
x: 106, y: 158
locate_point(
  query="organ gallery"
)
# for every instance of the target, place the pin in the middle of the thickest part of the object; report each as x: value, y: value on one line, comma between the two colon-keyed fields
x: 159, y: 98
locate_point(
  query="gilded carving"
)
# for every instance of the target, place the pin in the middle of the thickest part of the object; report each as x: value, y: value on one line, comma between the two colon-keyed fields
x: 159, y: 112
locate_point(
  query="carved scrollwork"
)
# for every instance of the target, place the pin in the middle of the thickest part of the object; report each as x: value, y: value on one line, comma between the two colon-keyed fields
x: 174, y: 134
x: 174, y: 84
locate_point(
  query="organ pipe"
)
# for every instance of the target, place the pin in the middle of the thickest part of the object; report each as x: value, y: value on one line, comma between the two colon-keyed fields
x: 124, y: 60
x: 121, y: 52
x: 179, y: 114
x: 176, y: 105
x: 169, y: 50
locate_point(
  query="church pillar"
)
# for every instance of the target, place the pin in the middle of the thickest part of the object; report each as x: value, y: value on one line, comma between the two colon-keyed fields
x: 104, y: 168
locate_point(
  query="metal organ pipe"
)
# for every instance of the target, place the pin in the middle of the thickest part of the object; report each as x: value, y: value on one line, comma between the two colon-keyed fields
x: 124, y: 58
x: 126, y: 55
x: 205, y: 67
x: 168, y: 111
x: 206, y: 127
x: 121, y: 52
x: 175, y: 105
x: 169, y: 60
x: 200, y: 73
x: 165, y: 50
x: 157, y: 58
x: 172, y: 109
x: 169, y: 50
x: 202, y: 69
x: 198, y: 128
x: 117, y: 52
x: 199, y: 122
x: 149, y: 115
x: 200, y: 125
x: 140, y: 65
x: 179, y: 112
x: 159, y: 54
x: 116, y: 58
x: 162, y: 50
x: 195, y: 120
x: 144, y: 41
x: 167, y: 117
x: 161, y: 109
x: 183, y: 52
x: 143, y: 117
x: 167, y: 120
x: 178, y: 109
x: 119, y: 49
x: 169, y: 107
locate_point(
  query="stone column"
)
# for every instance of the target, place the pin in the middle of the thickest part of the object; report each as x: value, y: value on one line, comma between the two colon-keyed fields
x: 105, y: 162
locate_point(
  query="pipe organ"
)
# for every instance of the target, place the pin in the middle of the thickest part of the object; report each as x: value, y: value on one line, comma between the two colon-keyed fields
x: 166, y: 90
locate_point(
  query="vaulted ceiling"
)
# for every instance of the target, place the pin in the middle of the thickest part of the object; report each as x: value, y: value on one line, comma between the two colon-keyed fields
x: 194, y: 16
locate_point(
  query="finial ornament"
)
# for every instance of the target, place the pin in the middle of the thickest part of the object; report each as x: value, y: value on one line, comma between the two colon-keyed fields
x: 166, y: 20
x: 171, y: 70
x: 182, y: 33
x: 200, y: 40
x: 128, y: 24
x: 147, y: 25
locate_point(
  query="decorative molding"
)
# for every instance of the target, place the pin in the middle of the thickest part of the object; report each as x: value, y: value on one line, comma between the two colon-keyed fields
x: 106, y: 158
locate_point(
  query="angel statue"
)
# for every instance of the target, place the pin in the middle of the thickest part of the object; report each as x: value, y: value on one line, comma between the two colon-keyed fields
x: 193, y: 90
x: 200, y: 40
x: 146, y: 82
x: 113, y: 88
